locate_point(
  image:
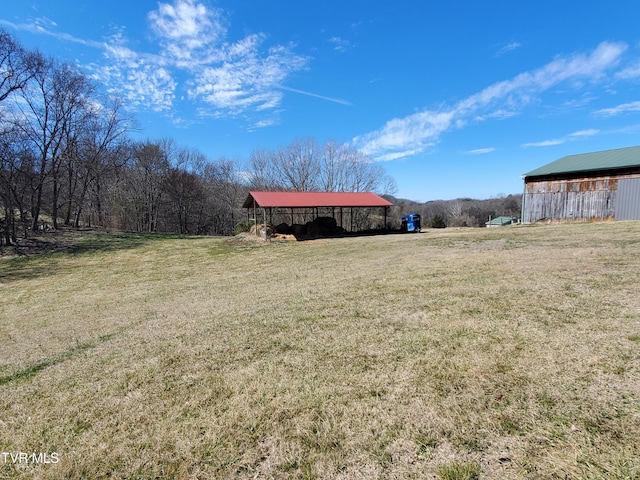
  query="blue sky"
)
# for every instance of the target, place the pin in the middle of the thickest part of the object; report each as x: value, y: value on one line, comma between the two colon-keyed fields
x: 453, y: 98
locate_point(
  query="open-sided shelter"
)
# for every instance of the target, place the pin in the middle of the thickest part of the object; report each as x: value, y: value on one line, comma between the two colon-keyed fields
x: 335, y: 202
x: 601, y: 185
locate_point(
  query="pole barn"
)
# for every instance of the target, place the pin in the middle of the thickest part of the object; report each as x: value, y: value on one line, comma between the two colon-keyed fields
x: 312, y: 203
x: 593, y: 186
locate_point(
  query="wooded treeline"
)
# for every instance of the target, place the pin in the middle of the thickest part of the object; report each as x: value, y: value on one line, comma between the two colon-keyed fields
x: 67, y: 158
x: 461, y: 212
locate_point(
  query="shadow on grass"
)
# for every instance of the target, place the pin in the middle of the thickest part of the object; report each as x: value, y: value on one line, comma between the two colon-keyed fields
x: 360, y: 233
x: 43, y: 255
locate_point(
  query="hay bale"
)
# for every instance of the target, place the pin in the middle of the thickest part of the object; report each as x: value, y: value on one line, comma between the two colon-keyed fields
x: 260, y: 229
x: 266, y: 231
x: 282, y: 237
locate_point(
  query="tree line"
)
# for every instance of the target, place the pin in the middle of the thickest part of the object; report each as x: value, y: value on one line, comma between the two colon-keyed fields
x: 460, y: 212
x: 67, y: 158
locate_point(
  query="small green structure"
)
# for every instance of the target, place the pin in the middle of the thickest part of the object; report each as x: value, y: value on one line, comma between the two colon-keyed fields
x: 501, y: 221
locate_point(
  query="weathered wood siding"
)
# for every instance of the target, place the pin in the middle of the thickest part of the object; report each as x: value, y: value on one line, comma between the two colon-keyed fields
x: 573, y: 199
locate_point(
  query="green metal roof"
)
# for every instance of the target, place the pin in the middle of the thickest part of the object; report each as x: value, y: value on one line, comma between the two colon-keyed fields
x: 588, y: 162
x: 502, y: 221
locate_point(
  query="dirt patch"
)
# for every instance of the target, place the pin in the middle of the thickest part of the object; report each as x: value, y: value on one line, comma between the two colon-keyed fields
x: 253, y: 238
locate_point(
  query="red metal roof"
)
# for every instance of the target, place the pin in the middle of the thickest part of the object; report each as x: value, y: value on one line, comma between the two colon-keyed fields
x: 315, y: 199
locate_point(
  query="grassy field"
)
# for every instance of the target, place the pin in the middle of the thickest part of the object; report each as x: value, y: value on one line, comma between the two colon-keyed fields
x: 452, y: 354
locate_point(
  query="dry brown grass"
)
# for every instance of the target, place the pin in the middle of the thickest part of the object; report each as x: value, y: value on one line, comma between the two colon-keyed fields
x: 494, y: 353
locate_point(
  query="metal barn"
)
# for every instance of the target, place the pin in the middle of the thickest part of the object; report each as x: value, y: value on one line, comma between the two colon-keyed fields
x: 586, y: 187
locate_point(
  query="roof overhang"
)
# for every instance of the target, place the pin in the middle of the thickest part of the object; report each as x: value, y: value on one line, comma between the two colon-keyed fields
x: 314, y: 199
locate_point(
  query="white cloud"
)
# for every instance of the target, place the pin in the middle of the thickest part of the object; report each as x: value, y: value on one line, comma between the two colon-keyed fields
x: 545, y: 143
x: 194, y: 53
x: 481, y: 151
x: 629, y: 73
x: 185, y: 27
x: 247, y: 79
x: 519, y: 90
x: 412, y: 134
x: 231, y: 77
x: 264, y: 123
x: 340, y: 44
x: 148, y: 87
x: 620, y: 109
x: 122, y: 55
x: 407, y: 136
x: 44, y: 26
x: 508, y: 47
x: 585, y: 133
x: 568, y: 138
x: 396, y: 155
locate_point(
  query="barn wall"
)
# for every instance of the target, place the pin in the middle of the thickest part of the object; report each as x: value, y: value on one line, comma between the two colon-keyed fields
x: 574, y: 199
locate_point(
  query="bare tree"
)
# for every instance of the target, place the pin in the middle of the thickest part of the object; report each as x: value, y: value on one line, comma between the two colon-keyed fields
x: 52, y: 110
x: 262, y: 171
x: 185, y: 192
x: 224, y: 179
x: 298, y: 165
x: 185, y: 189
x: 17, y: 65
x: 16, y: 171
x: 100, y: 143
x: 71, y: 104
x: 334, y: 168
x: 305, y: 165
x: 150, y: 172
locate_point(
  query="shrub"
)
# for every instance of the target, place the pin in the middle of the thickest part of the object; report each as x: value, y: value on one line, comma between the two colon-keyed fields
x: 242, y: 227
x: 438, y: 222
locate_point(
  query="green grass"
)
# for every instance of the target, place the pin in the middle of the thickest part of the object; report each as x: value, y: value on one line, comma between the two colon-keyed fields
x: 456, y: 353
x: 459, y: 471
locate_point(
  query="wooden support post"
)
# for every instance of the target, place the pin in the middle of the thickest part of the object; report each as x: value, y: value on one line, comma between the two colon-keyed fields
x: 351, y: 219
x: 385, y: 218
x: 255, y: 218
x: 264, y: 216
